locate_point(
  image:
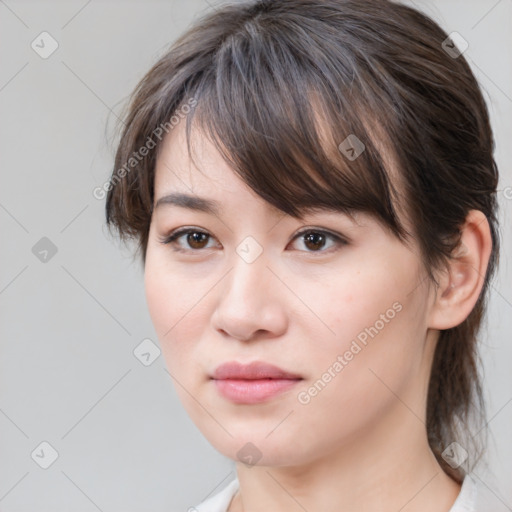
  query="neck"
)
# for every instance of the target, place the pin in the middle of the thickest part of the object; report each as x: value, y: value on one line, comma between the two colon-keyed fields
x: 386, y: 470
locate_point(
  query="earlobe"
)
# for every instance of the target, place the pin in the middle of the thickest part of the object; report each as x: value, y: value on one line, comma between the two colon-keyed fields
x: 460, y: 286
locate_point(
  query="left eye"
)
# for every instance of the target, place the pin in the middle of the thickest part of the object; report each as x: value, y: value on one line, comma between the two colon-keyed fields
x: 315, y: 240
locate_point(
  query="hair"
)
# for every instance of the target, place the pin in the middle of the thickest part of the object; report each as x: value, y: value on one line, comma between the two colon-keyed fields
x: 280, y: 87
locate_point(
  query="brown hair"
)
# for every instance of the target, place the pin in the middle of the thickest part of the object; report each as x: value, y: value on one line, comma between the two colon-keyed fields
x: 278, y: 85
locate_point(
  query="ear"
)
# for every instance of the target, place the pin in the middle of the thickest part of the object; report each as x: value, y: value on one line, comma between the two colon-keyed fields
x: 460, y: 286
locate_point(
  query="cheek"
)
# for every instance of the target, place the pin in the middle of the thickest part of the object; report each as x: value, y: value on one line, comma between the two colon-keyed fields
x: 353, y: 305
x: 176, y: 313
x: 367, y: 333
x: 353, y: 385
x: 159, y: 300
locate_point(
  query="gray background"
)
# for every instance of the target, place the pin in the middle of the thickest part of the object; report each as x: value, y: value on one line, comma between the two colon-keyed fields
x: 69, y: 326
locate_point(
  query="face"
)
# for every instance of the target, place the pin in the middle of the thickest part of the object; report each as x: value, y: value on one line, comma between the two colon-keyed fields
x: 335, y: 302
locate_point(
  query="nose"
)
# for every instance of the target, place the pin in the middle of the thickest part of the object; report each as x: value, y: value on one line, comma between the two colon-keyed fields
x: 251, y: 302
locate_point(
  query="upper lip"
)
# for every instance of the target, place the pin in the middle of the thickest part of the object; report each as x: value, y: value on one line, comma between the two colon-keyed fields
x: 251, y: 371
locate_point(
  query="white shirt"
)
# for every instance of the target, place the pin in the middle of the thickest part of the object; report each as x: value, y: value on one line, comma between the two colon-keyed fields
x: 473, y: 497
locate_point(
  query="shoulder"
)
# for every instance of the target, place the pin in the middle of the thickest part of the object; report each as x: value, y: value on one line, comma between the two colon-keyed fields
x: 476, y: 496
x: 218, y: 502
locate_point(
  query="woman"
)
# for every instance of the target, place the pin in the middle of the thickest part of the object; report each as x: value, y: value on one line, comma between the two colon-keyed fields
x: 313, y: 192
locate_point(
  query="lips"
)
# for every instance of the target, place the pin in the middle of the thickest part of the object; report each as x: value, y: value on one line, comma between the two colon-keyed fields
x: 252, y: 383
x: 252, y: 371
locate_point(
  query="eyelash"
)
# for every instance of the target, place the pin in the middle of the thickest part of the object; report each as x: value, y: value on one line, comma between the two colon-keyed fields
x: 174, y: 236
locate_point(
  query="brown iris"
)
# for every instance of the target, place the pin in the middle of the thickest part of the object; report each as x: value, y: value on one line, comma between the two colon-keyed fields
x: 196, y: 239
x: 314, y: 241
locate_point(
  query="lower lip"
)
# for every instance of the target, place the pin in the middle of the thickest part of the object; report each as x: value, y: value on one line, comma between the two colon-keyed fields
x: 253, y: 391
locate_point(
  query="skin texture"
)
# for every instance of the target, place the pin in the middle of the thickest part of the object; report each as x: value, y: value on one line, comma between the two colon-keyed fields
x: 358, y: 444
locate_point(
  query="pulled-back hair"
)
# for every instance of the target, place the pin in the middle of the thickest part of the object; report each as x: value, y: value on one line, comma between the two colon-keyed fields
x: 283, y: 88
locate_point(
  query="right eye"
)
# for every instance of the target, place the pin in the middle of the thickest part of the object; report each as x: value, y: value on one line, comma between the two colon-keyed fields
x: 195, y: 239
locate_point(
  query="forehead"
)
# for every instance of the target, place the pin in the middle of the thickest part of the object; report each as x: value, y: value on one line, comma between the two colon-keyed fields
x: 203, y: 169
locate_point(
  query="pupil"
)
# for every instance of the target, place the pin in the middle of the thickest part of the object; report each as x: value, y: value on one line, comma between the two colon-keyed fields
x: 317, y: 239
x: 195, y: 238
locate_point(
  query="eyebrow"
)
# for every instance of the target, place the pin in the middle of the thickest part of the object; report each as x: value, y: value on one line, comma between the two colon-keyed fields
x: 191, y: 202
x: 213, y: 207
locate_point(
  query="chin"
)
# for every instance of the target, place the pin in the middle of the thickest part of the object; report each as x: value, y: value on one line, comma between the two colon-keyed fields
x: 254, y: 447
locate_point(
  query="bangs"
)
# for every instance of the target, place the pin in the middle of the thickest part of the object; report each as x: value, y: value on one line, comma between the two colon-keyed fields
x: 291, y: 125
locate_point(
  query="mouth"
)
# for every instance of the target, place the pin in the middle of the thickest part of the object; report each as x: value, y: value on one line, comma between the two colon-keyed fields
x: 252, y: 383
